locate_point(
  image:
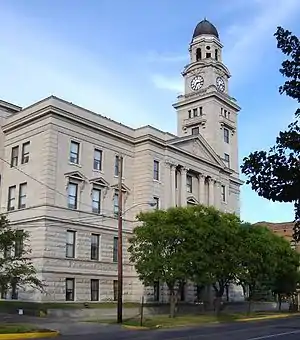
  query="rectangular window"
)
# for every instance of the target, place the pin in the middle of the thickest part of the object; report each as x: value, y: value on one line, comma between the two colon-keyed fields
x: 11, y: 201
x: 189, y: 183
x: 201, y: 110
x: 14, y: 156
x: 195, y: 112
x: 25, y: 153
x: 156, y: 291
x: 74, y: 152
x: 226, y: 135
x: 19, y: 243
x: 190, y: 113
x: 70, y: 289
x: 208, y: 55
x: 216, y: 54
x: 22, y: 195
x: 195, y: 131
x: 223, y: 192
x: 94, y: 290
x: 116, y: 204
x: 97, y: 159
x: 156, y: 170
x: 96, y: 203
x: 70, y: 244
x: 72, y: 195
x: 115, y: 249
x: 115, y: 288
x: 156, y: 201
x: 227, y: 160
x: 117, y: 164
x: 95, y: 244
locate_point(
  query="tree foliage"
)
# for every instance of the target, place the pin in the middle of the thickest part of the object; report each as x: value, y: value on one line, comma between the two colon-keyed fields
x: 275, y: 174
x: 210, y: 248
x: 16, y: 268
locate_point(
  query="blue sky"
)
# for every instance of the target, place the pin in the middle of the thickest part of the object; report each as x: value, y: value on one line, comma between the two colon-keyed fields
x: 123, y: 59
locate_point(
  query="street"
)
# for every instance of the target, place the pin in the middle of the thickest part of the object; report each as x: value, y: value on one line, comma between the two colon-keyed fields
x: 287, y: 329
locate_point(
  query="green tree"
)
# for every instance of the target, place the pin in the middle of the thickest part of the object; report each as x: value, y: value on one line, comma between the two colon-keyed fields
x: 17, y: 269
x: 275, y: 174
x: 263, y: 255
x: 215, y: 258
x: 158, y: 248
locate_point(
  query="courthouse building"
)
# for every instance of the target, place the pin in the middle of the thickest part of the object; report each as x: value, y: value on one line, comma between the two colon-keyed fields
x: 59, y: 167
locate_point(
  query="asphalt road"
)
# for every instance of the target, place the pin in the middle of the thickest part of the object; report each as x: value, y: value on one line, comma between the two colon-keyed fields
x: 287, y: 329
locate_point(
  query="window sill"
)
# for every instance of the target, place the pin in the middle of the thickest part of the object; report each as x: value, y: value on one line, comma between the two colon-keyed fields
x: 123, y: 178
x: 75, y: 164
x: 157, y: 181
x: 98, y: 171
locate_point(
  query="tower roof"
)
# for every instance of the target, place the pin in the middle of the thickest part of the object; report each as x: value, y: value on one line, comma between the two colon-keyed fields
x: 207, y: 28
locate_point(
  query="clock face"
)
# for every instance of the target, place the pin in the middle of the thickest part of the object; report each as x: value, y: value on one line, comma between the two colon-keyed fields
x: 196, y: 83
x: 220, y: 84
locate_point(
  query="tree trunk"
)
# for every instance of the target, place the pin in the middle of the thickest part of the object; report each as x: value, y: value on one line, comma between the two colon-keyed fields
x: 218, y: 298
x: 172, y: 303
x: 249, y: 305
x: 279, y: 302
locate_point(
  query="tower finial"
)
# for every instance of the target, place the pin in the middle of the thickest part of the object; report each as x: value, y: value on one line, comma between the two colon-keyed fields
x: 204, y: 18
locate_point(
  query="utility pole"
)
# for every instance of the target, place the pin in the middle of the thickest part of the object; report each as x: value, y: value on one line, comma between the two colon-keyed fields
x: 120, y: 243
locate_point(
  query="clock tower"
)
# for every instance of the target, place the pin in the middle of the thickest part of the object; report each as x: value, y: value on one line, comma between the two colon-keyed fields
x: 206, y: 108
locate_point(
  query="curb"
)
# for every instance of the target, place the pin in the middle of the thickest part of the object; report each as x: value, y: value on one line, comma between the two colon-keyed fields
x: 34, y: 335
x: 264, y: 317
x: 136, y: 327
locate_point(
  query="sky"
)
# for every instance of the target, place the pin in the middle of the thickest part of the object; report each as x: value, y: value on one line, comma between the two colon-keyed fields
x: 124, y: 59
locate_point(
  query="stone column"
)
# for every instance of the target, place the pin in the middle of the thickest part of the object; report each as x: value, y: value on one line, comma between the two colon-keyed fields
x: 167, y: 184
x: 201, y: 181
x: 217, y: 193
x: 183, y: 192
x: 173, y: 186
x: 211, y: 190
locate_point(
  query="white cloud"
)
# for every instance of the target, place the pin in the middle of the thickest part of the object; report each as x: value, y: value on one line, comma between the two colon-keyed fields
x: 174, y: 84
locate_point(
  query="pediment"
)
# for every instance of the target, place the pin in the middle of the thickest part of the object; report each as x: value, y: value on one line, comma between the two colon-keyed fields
x: 197, y: 146
x: 124, y: 187
x: 77, y: 175
x: 99, y: 181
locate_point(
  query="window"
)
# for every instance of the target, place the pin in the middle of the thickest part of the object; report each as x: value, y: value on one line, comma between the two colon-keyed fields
x: 201, y: 110
x: 115, y: 249
x: 198, y: 54
x: 115, y: 288
x: 19, y: 243
x: 226, y: 159
x: 94, y: 290
x: 116, y: 204
x: 156, y: 291
x: 195, y: 131
x: 117, y: 164
x: 11, y: 201
x: 22, y: 195
x: 95, y: 246
x: 195, y: 112
x: 216, y: 54
x: 226, y: 135
x: 25, y: 153
x: 74, y: 152
x: 70, y: 288
x: 14, y: 156
x: 156, y: 170
x: 97, y: 159
x: 208, y: 55
x: 96, y: 203
x: 190, y: 113
x: 156, y: 200
x: 189, y: 183
x: 70, y: 244
x: 72, y: 195
x: 223, y: 192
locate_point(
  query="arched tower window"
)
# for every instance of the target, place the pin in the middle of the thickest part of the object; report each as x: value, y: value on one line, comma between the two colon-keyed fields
x: 216, y: 54
x: 198, y: 54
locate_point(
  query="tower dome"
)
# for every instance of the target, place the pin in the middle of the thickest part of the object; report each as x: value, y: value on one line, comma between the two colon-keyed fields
x: 207, y: 28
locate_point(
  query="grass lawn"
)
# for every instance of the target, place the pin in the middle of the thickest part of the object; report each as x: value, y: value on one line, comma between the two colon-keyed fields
x: 163, y: 321
x: 9, y: 328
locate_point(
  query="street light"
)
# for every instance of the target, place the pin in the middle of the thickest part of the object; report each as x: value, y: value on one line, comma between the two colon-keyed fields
x: 120, y: 250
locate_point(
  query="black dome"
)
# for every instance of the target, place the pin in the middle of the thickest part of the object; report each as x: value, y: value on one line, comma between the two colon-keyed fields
x: 205, y: 27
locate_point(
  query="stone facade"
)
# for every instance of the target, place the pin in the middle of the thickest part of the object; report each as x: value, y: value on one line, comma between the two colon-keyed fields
x: 59, y: 179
